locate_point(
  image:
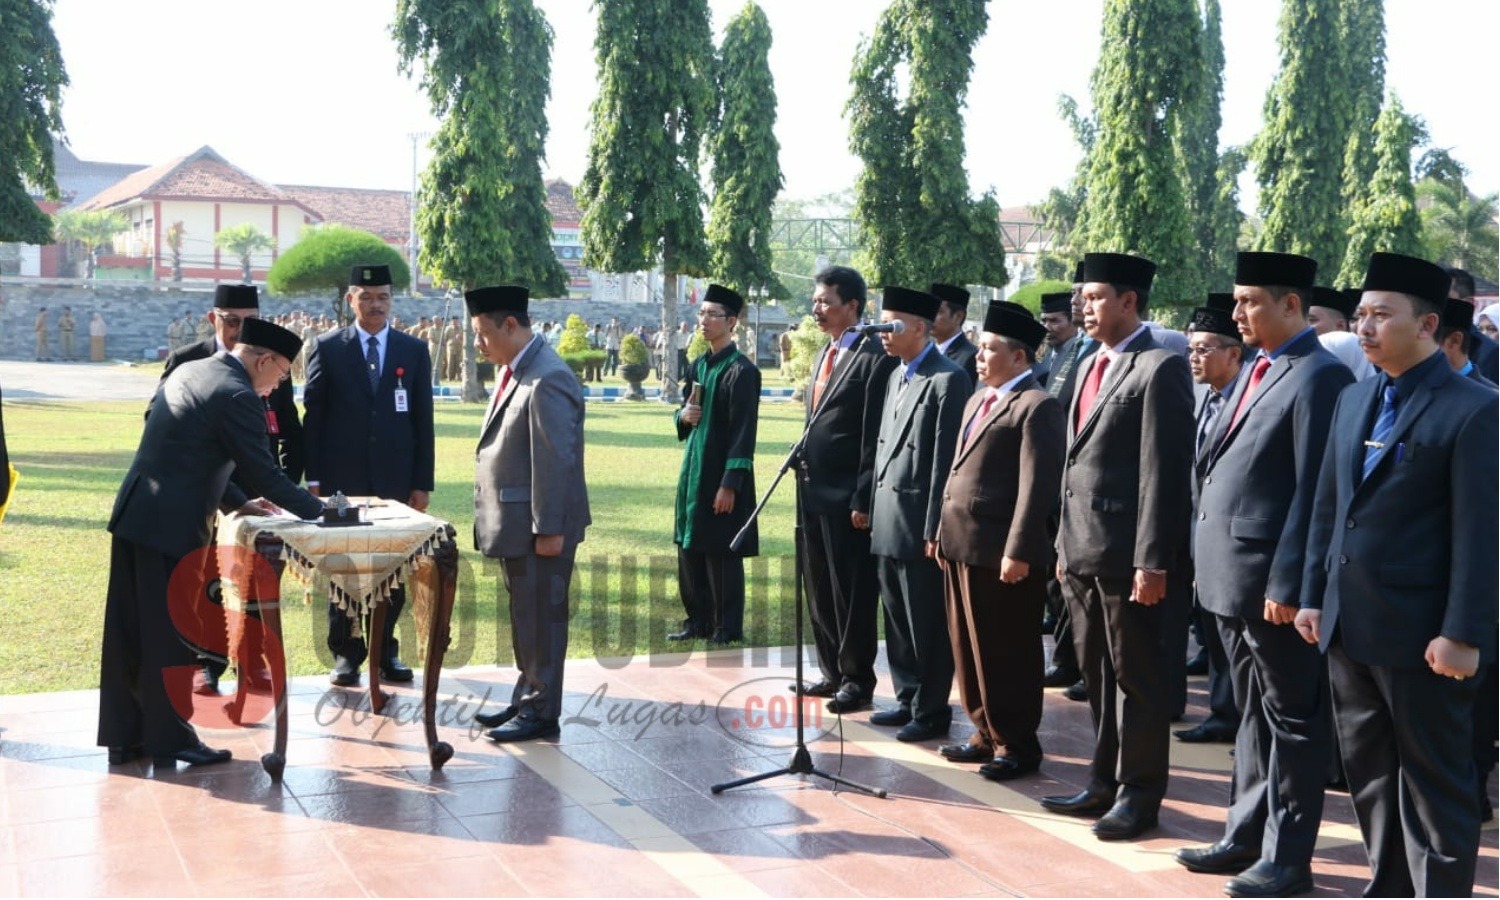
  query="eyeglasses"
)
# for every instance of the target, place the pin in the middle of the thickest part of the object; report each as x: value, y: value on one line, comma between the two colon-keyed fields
x: 231, y: 320
x: 285, y: 373
x: 706, y: 314
x: 1201, y: 350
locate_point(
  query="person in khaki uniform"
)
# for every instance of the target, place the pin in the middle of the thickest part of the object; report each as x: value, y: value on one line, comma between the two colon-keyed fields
x: 66, y: 325
x: 43, y: 348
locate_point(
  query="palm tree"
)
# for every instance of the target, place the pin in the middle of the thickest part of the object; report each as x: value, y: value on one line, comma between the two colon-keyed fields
x: 93, y: 228
x: 174, y: 243
x: 242, y: 240
x: 1459, y: 228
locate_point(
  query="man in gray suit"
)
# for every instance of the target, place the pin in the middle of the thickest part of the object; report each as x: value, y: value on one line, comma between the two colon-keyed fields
x: 948, y: 328
x: 1258, y: 472
x: 531, y: 505
x: 207, y: 421
x: 919, y: 426
x: 1400, y: 583
x: 1125, y: 507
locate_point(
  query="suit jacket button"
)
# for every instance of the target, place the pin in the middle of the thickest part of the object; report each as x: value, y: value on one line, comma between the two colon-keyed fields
x: 1202, y: 517
x: 1349, y: 524
x: 1069, y: 492
x: 1343, y: 560
x: 1208, y: 480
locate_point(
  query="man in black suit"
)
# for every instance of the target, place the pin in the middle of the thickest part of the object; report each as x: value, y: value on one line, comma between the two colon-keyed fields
x: 1455, y: 337
x: 1125, y: 508
x: 1400, y: 584
x: 846, y: 393
x: 1484, y: 352
x: 369, y: 434
x: 920, y: 422
x: 994, y: 547
x: 233, y: 304
x: 948, y: 328
x: 1258, y: 473
x: 207, y: 421
x: 1330, y: 310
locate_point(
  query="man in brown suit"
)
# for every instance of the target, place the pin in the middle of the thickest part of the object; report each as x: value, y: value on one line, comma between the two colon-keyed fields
x: 995, y: 549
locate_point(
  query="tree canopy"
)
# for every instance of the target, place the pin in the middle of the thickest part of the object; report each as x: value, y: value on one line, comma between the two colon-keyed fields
x: 31, y: 81
x: 1384, y: 215
x: 321, y: 259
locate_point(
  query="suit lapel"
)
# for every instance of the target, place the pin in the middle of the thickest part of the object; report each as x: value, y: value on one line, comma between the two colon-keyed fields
x: 498, y: 406
x: 1406, y: 417
x: 1113, y: 377
x: 1002, y: 407
x: 908, y: 399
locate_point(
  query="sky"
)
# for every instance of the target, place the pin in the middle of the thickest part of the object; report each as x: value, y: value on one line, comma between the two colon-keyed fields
x: 308, y: 91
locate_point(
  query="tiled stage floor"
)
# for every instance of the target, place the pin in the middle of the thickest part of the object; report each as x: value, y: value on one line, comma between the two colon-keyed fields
x: 618, y: 806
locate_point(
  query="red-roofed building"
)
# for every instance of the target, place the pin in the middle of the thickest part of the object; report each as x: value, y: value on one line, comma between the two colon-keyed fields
x: 386, y: 214
x: 207, y: 194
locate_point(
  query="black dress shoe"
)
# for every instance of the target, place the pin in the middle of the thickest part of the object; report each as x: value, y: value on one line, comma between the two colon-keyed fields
x: 686, y: 634
x: 897, y: 717
x: 816, y: 689
x: 344, y: 678
x: 967, y: 753
x: 1267, y: 879
x: 201, y: 755
x: 496, y: 719
x: 1078, y: 692
x: 1198, y: 665
x: 1003, y: 768
x: 1124, y: 822
x: 396, y: 671
x: 1217, y: 859
x: 846, y: 701
x: 1082, y: 803
x: 525, y: 729
x: 1204, y: 733
x: 915, y: 731
x: 119, y: 756
x: 1057, y: 677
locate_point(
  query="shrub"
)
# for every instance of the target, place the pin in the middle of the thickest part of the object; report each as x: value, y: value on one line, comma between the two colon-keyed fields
x: 633, y: 351
x: 575, y: 337
x: 807, y: 340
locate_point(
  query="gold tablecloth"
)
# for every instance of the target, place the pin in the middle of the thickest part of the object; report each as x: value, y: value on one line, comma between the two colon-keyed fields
x: 357, y: 566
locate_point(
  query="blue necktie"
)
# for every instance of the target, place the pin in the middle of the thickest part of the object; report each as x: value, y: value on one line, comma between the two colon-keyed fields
x: 1385, y: 423
x: 372, y: 359
x: 1210, y: 415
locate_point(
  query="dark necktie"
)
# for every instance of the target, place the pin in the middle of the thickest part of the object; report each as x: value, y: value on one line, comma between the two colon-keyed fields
x: 1060, y: 377
x: 372, y: 359
x: 1210, y: 413
x: 1385, y: 423
x: 1091, y: 388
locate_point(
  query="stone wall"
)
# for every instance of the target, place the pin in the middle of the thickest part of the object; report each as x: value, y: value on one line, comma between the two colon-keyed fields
x: 137, y: 316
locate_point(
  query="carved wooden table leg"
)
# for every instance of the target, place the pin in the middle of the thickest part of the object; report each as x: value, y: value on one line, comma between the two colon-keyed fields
x: 375, y: 642
x: 438, y: 636
x: 270, y: 547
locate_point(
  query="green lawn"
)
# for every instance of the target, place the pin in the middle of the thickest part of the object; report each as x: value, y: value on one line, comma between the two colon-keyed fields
x: 54, y: 551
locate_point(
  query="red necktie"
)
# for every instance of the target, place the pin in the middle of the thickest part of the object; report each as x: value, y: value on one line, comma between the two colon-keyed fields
x: 500, y: 391
x: 1090, y: 389
x: 825, y: 373
x: 984, y: 410
x: 1262, y: 363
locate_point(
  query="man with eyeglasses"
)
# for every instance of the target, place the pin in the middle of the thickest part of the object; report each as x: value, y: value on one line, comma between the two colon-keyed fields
x: 369, y: 434
x: 233, y: 304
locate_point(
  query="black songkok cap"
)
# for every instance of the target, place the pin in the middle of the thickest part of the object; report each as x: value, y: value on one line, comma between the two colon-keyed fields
x: 1059, y: 302
x: 1078, y: 272
x: 951, y: 294
x: 370, y: 276
x: 270, y: 336
x: 1407, y: 275
x: 732, y: 302
x: 504, y: 298
x: 1215, y: 321
x: 905, y: 300
x: 1338, y: 301
x: 1223, y: 303
x: 1118, y: 268
x: 1458, y: 314
x: 1014, y: 321
x: 1255, y: 269
x: 236, y: 296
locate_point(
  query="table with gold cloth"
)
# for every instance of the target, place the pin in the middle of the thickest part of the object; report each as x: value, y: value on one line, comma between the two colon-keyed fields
x: 357, y: 566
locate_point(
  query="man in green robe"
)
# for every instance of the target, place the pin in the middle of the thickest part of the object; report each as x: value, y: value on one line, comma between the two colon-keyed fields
x: 716, y: 488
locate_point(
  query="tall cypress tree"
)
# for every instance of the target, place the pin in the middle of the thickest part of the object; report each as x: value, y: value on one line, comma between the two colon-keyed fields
x: 640, y: 194
x: 918, y: 221
x: 1299, y: 155
x: 1362, y: 37
x: 31, y: 82
x: 485, y: 68
x: 1144, y: 82
x: 747, y: 169
x: 1204, y: 168
x: 1384, y: 217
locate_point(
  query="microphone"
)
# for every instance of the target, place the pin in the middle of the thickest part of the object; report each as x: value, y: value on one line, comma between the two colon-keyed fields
x: 895, y: 326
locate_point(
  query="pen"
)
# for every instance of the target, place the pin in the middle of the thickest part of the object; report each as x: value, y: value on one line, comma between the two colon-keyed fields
x: 1400, y: 451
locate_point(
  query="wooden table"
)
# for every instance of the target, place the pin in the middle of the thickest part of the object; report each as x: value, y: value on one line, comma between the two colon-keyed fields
x: 430, y: 572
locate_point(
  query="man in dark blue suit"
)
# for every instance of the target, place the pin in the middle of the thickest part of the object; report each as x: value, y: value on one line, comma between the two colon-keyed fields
x: 368, y: 433
x: 1400, y: 582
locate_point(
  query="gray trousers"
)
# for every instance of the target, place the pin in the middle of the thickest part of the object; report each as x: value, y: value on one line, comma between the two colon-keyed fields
x: 538, y: 588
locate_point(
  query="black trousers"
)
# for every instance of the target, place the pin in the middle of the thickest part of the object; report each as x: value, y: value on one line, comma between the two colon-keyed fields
x: 995, y: 629
x: 916, y: 638
x: 1407, y: 737
x: 1281, y: 750
x: 713, y: 593
x: 843, y: 592
x: 1176, y: 610
x: 538, y: 589
x: 144, y: 664
x: 1119, y: 648
x: 1222, y: 710
x: 1064, y: 654
x: 352, y: 651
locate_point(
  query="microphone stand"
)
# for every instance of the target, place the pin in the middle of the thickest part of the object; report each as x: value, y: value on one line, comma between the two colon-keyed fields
x: 801, y: 762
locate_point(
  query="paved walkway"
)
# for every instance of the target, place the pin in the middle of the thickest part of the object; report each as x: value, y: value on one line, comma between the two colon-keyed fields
x: 77, y: 381
x: 619, y: 805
